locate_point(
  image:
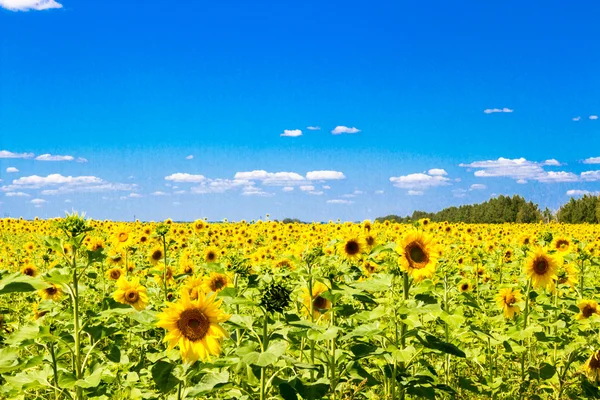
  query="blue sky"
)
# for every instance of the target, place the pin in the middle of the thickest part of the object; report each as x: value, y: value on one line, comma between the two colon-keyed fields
x: 129, y: 91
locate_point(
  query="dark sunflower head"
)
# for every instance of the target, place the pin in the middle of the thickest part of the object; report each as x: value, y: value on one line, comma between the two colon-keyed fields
x: 275, y: 297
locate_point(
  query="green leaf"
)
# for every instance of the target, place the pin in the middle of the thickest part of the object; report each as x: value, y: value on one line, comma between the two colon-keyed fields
x: 432, y: 342
x: 274, y: 351
x: 19, y: 283
x: 91, y: 380
x: 9, y: 359
x: 30, y: 379
x: 162, y: 373
x: 287, y: 392
x: 208, y: 382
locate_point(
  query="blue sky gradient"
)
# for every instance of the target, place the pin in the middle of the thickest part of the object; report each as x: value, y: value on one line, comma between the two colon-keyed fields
x: 135, y: 88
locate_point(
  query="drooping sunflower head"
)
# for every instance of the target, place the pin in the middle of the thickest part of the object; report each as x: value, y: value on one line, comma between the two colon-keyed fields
x: 320, y: 305
x: 587, y: 308
x: 193, y: 325
x: 418, y: 255
x: 541, y: 268
x: 507, y: 299
x: 592, y: 367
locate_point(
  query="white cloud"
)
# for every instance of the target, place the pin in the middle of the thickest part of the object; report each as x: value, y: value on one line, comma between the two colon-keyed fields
x: 288, y: 189
x: 379, y: 192
x: 135, y: 195
x: 38, y: 201
x: 307, y: 188
x: 313, y: 128
x: 552, y: 162
x: 159, y: 193
x: 591, y: 175
x: 17, y: 194
x: 50, y: 157
x: 105, y: 187
x: 477, y: 186
x: 339, y: 201
x: 26, y: 5
x: 185, y: 177
x: 338, y: 130
x: 419, y: 181
x: 521, y: 181
x: 11, y: 170
x: 68, y: 201
x: 592, y: 160
x: 81, y: 160
x: 316, y: 192
x: 593, y: 117
x: 459, y: 193
x: 437, y: 172
x: 497, y: 110
x: 519, y: 169
x: 581, y: 192
x: 324, y: 175
x: 219, y: 185
x: 190, y: 157
x: 326, y: 187
x: 349, y: 195
x: 291, y: 133
x: 35, y: 181
x: 254, y: 191
x: 271, y: 178
x: 415, y: 193
x: 10, y: 154
x: 576, y: 119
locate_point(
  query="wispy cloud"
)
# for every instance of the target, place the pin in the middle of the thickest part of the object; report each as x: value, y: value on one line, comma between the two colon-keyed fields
x: 593, y: 117
x: 419, y: 181
x: 10, y: 154
x: 26, y: 5
x: 291, y: 133
x: 17, y: 194
x: 185, y: 177
x: 437, y: 172
x: 190, y: 157
x: 592, y: 160
x: 324, y: 175
x: 50, y: 157
x: 313, y: 128
x: 338, y: 130
x: 415, y: 193
x: 497, y: 110
x: 576, y: 192
x: 477, y: 186
x: 339, y: 201
x: 11, y: 170
x: 576, y: 119
x: 519, y: 169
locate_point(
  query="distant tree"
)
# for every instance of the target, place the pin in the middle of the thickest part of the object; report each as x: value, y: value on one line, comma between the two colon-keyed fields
x: 577, y: 211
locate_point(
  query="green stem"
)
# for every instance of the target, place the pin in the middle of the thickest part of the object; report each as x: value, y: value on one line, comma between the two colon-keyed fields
x: 164, y: 238
x: 525, y: 316
x: 581, y: 278
x: 405, y: 287
x: 179, y: 390
x: 333, y: 345
x: 265, y: 343
x: 78, y: 372
x: 55, y: 369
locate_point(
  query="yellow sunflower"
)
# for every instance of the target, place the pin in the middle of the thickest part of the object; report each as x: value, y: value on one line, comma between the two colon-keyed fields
x: 194, y: 287
x: 352, y: 247
x: 540, y: 267
x: 52, y: 292
x: 418, y: 255
x: 132, y: 293
x: 114, y: 273
x: 211, y: 254
x: 592, y: 367
x: 216, y: 282
x: 561, y: 244
x: 193, y: 325
x: 465, y: 286
x: 29, y: 270
x: 507, y: 299
x: 156, y: 255
x: 320, y: 304
x: 587, y: 308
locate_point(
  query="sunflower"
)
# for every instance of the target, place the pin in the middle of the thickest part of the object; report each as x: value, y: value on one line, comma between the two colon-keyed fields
x: 540, y: 267
x: 211, y: 254
x: 216, y: 282
x: 465, y: 286
x: 193, y: 325
x: 418, y: 255
x: 29, y: 270
x: 561, y: 244
x: 122, y: 236
x: 52, y: 292
x: 156, y: 255
x: 114, y: 273
x: 592, y: 367
x: 199, y: 225
x: 115, y: 257
x: 506, y: 299
x: 587, y: 308
x: 132, y: 293
x: 194, y: 287
x: 320, y: 304
x: 352, y: 247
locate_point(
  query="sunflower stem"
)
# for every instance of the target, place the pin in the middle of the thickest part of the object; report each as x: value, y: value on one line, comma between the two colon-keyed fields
x: 77, y: 338
x: 265, y: 344
x: 581, y: 278
x: 405, y: 287
x: 164, y: 240
x: 525, y: 316
x: 55, y: 369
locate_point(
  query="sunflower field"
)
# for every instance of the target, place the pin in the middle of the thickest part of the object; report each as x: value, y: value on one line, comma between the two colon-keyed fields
x: 266, y: 310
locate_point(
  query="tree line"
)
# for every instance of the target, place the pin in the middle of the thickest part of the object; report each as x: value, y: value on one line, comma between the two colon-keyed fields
x: 503, y: 209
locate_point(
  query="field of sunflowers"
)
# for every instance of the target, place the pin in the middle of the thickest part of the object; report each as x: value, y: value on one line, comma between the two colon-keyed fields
x: 265, y: 310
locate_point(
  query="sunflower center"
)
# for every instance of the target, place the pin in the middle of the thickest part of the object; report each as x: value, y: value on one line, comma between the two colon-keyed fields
x: 51, y: 291
x: 114, y: 274
x: 211, y: 256
x: 193, y: 324
x: 541, y: 266
x: 123, y: 236
x: 320, y: 303
x: 370, y: 240
x: 28, y: 271
x: 464, y: 287
x: 510, y: 300
x: 157, y: 255
x: 588, y: 311
x: 352, y: 247
x: 218, y: 284
x: 562, y: 243
x: 132, y: 296
x: 595, y: 361
x: 416, y: 254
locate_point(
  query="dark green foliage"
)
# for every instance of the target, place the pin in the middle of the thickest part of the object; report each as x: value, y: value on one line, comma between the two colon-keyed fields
x: 584, y: 209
